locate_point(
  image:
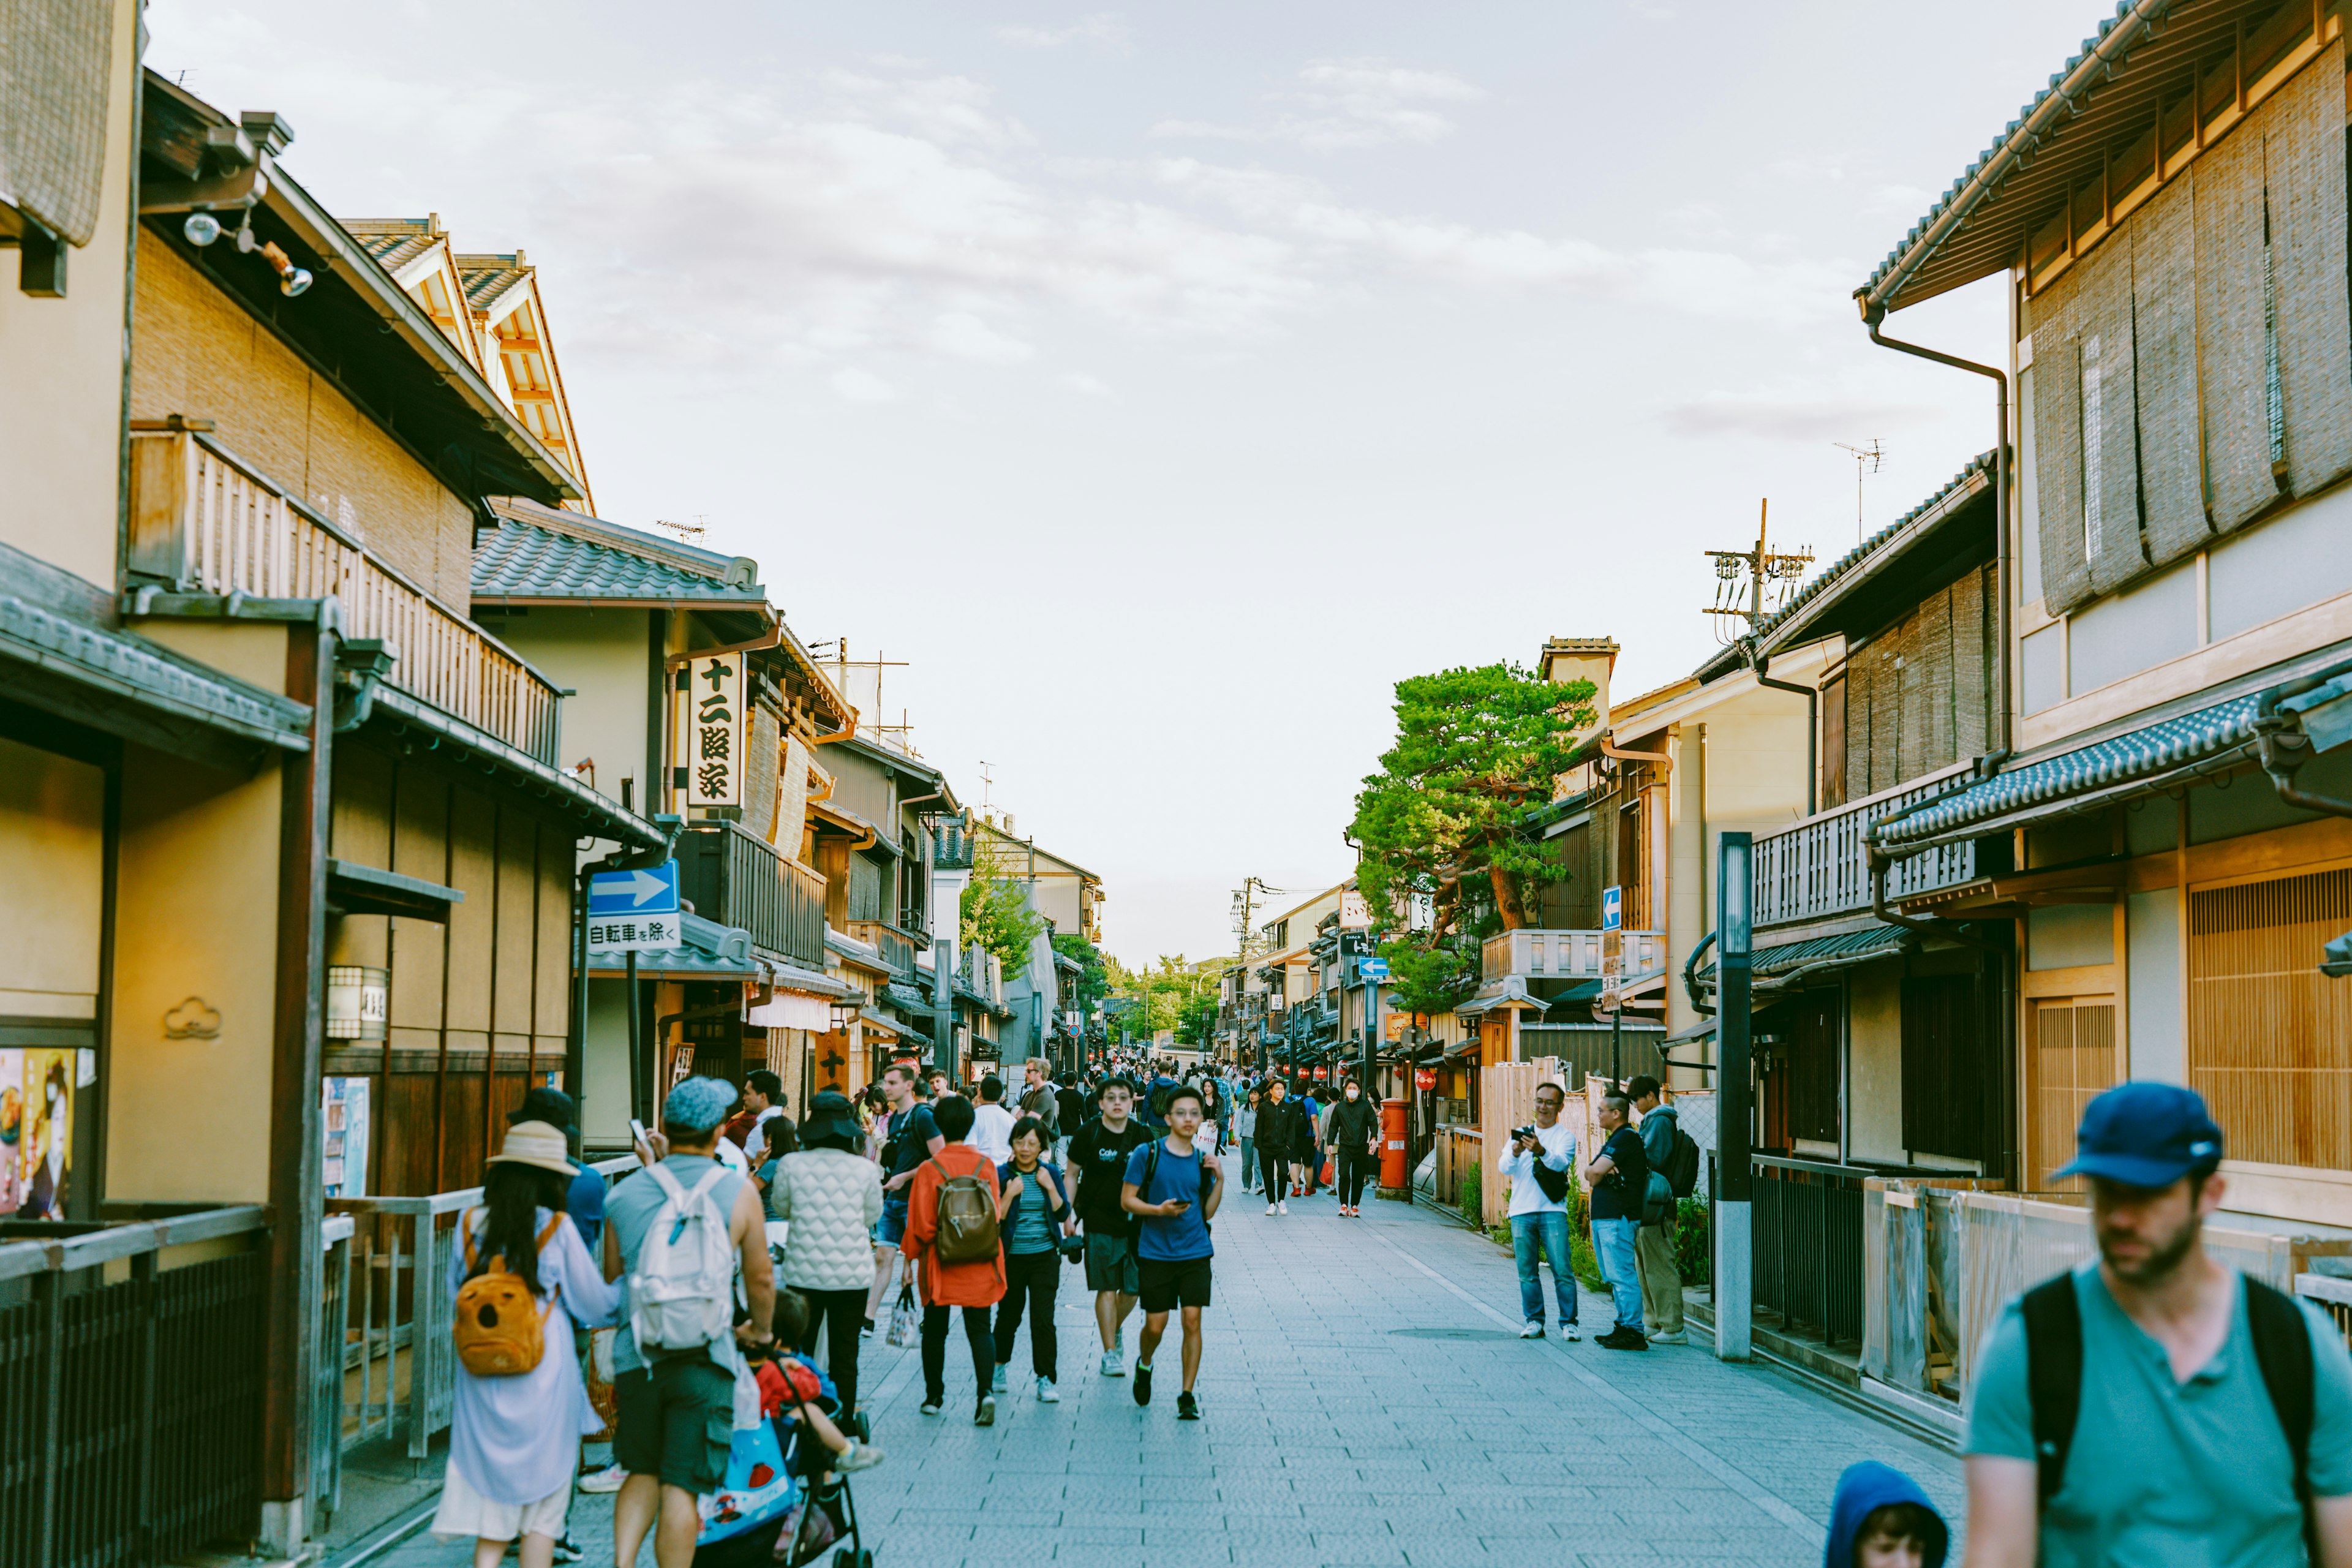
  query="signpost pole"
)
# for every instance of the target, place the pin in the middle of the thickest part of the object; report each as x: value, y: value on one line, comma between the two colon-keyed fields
x: 1735, y: 1258
x: 641, y: 1072
x: 1617, y: 1050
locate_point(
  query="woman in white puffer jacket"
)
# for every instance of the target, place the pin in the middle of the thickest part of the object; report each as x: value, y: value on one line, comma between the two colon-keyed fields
x: 830, y: 1195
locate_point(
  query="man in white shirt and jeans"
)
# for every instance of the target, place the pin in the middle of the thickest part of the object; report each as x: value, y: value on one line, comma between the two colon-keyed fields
x: 1538, y: 1220
x: 991, y: 1125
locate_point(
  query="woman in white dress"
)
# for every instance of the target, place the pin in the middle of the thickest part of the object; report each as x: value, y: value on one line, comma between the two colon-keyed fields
x: 514, y: 1441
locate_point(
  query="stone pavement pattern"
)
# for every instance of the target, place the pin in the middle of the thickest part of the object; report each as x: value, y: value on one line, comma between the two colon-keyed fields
x: 1367, y: 1402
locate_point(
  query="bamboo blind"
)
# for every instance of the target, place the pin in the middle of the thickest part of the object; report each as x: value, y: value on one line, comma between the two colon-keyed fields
x: 2306, y: 161
x: 2270, y: 1038
x: 2164, y: 292
x: 2074, y: 1060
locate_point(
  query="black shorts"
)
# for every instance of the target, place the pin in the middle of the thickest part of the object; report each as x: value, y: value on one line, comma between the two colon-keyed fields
x: 1171, y: 1282
x: 676, y: 1421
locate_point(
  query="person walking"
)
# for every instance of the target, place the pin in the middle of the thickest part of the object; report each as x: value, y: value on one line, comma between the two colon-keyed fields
x: 910, y: 1134
x: 514, y: 1437
x: 1174, y: 1188
x: 1538, y: 1163
x: 1245, y: 1131
x: 1654, y: 1246
x: 1034, y: 1215
x: 1620, y: 1176
x: 677, y: 1406
x: 2156, y: 1405
x: 1099, y: 1153
x: 830, y: 1199
x: 974, y: 1286
x: 1040, y: 1096
x: 991, y: 1125
x: 1353, y: 1133
x: 1072, y: 1106
x: 1282, y: 1137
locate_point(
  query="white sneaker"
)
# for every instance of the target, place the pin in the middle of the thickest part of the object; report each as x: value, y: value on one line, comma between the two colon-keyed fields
x: 1568, y: 1332
x: 1282, y: 1208
x: 607, y: 1479
x: 1679, y: 1337
x: 1047, y: 1393
x: 1531, y: 1331
x: 1113, y: 1364
x: 1271, y: 1207
x: 861, y: 1457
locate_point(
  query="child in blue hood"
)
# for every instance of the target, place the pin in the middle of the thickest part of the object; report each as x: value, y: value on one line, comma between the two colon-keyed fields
x: 1880, y: 1519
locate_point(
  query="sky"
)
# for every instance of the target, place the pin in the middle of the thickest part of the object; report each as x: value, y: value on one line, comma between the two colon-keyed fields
x: 1162, y: 384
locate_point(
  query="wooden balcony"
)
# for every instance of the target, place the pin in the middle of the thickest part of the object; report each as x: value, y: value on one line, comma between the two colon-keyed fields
x: 736, y: 877
x: 1567, y: 954
x: 203, y: 521
x: 1818, y: 869
x: 898, y: 947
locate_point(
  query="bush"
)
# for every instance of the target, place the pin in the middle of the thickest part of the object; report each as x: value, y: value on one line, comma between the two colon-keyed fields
x: 1694, y: 1251
x: 1581, y: 1261
x: 1470, y: 1193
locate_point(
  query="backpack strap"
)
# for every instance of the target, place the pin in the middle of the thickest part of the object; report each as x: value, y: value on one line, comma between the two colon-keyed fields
x: 2282, y: 1348
x: 2054, y: 1371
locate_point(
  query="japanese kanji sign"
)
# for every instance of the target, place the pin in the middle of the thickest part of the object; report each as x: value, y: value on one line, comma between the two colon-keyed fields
x: 710, y: 732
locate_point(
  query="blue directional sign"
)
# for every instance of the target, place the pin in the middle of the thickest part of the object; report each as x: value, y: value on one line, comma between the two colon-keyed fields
x: 1375, y: 969
x: 1612, y: 908
x: 649, y: 890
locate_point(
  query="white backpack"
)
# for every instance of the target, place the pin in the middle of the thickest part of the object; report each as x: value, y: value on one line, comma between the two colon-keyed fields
x: 682, y: 1292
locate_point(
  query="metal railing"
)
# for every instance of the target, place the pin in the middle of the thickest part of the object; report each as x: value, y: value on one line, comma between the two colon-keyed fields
x: 1821, y: 869
x: 1808, y: 1245
x: 1543, y: 954
x: 131, y: 1387
x: 733, y: 876
x: 398, y: 1370
x: 206, y: 522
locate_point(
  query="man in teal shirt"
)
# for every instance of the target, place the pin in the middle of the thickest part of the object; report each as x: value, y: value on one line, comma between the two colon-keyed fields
x: 2177, y: 1454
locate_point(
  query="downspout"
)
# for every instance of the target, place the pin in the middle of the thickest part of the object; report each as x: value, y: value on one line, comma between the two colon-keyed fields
x: 2284, y: 748
x: 1758, y: 661
x: 1925, y: 925
x: 1872, y: 313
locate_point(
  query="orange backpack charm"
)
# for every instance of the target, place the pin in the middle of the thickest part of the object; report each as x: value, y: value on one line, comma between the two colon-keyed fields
x: 498, y: 1325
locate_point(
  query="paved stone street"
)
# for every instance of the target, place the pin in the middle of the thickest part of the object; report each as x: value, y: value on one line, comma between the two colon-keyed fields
x: 1367, y: 1402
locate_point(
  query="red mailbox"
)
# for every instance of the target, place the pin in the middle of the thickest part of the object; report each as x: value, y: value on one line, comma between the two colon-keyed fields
x: 1394, y: 1176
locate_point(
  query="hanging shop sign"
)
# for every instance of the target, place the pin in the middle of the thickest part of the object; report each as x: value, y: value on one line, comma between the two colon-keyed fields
x: 1355, y: 911
x: 707, y: 765
x: 1321, y: 1072
x: 358, y: 1005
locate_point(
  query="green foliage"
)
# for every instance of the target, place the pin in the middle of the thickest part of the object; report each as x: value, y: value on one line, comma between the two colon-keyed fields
x: 1442, y: 820
x: 1093, y: 983
x: 994, y: 912
x: 1694, y: 1251
x: 1469, y: 1192
x: 1581, y: 1261
x: 1173, y: 994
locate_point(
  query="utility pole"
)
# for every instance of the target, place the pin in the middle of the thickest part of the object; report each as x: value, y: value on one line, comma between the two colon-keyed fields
x: 1751, y: 584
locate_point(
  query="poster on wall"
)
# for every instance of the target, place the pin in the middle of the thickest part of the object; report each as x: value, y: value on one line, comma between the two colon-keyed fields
x: 11, y: 1126
x: 45, y: 1144
x: 345, y: 1165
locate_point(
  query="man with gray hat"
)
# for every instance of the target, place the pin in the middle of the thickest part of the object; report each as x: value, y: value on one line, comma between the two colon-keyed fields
x: 2157, y: 1405
x: 677, y: 1415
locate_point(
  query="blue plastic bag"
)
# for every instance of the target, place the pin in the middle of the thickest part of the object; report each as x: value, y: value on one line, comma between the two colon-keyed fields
x: 757, y: 1488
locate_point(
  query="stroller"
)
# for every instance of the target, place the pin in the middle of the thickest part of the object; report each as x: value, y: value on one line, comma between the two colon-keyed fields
x: 810, y: 1523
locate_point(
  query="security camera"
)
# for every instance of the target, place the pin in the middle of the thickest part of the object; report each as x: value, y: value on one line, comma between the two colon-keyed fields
x: 201, y: 229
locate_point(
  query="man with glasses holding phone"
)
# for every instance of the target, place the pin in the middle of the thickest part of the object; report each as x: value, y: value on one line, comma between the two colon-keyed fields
x: 1173, y: 1189
x: 1537, y: 1162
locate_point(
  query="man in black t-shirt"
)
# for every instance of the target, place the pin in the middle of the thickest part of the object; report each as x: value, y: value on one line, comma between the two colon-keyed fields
x: 1099, y: 1153
x: 910, y: 1136
x: 1620, y: 1175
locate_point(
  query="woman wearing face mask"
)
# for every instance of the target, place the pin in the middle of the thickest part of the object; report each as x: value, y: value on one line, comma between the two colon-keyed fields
x: 1353, y: 1133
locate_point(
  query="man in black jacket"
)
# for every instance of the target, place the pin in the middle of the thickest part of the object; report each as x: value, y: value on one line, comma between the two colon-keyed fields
x: 1353, y: 1132
x: 1099, y: 1153
x: 1283, y: 1135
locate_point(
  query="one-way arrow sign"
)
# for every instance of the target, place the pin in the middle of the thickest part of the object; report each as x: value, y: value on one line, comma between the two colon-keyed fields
x: 651, y: 891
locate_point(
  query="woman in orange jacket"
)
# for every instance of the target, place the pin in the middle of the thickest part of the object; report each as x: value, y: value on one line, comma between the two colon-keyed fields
x: 975, y: 1287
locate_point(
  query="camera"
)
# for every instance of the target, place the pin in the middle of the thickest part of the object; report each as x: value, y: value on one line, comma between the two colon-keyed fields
x: 1526, y: 1132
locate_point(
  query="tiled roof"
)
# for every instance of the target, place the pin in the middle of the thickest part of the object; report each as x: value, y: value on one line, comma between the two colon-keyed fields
x: 487, y: 279
x: 1820, y: 953
x: 1725, y: 659
x: 395, y: 242
x: 538, y: 553
x: 134, y: 669
x: 709, y: 949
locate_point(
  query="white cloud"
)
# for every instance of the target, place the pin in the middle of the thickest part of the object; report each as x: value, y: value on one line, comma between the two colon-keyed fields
x: 962, y: 335
x: 859, y: 385
x: 1792, y: 414
x: 1103, y: 29
x: 1347, y: 103
x: 1080, y: 381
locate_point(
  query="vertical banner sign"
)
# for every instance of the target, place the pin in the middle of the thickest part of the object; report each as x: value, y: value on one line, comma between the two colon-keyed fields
x: 709, y: 763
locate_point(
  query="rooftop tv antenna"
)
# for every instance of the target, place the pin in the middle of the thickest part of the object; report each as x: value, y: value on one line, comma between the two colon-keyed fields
x: 1866, y: 460
x: 1750, y: 584
x: 685, y: 531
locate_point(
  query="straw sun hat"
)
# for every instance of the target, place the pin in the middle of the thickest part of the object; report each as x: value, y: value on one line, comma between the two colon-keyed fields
x: 535, y: 1143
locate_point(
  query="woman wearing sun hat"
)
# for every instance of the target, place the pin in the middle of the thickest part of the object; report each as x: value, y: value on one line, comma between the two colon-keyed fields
x: 514, y: 1440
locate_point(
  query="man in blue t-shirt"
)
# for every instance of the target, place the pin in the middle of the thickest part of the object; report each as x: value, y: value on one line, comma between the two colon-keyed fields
x: 1174, y: 1189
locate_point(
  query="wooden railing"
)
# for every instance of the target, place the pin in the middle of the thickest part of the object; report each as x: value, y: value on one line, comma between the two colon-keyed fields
x: 1567, y: 954
x: 1820, y: 870
x: 203, y: 521
x: 736, y: 877
x: 897, y: 947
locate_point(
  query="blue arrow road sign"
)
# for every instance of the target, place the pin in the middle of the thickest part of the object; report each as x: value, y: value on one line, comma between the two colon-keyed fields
x: 1612, y: 908
x: 1375, y: 969
x: 649, y: 890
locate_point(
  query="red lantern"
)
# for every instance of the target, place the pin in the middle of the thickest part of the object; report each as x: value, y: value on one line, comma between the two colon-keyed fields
x: 1424, y: 1079
x: 1321, y: 1072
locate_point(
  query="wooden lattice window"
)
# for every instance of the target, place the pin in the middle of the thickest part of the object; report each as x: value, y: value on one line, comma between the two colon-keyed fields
x: 2270, y: 1038
x: 2074, y: 1060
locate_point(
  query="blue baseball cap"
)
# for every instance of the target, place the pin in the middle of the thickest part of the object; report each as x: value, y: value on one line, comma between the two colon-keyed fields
x: 2146, y: 1135
x: 698, y: 1105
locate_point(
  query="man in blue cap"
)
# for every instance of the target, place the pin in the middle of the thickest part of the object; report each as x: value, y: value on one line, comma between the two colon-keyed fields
x: 2156, y: 1406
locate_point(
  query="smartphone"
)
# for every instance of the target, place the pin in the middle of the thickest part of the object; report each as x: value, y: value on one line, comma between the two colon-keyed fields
x: 638, y: 1133
x: 1181, y: 1204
